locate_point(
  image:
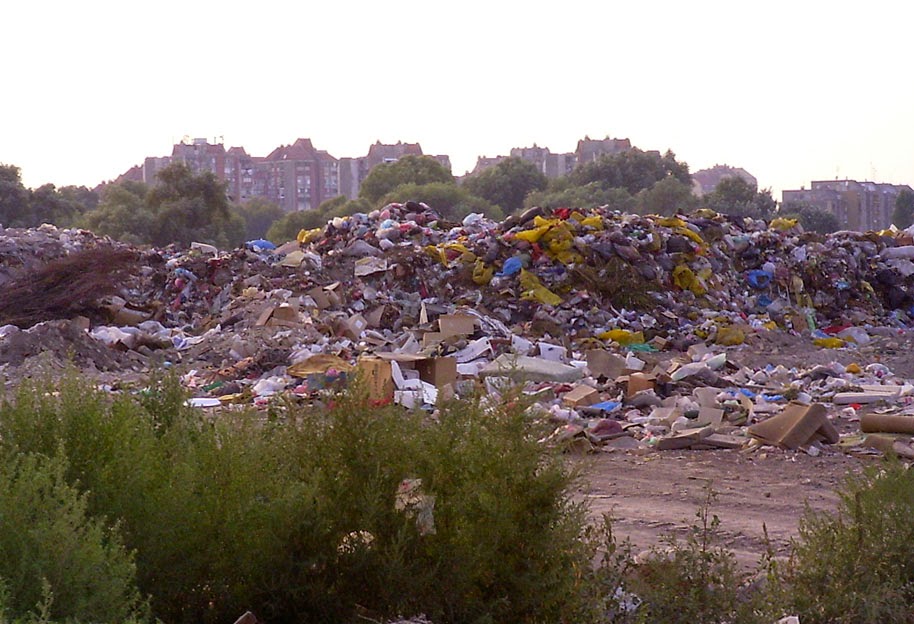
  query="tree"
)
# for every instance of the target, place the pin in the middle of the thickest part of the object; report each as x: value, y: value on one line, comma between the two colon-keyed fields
x: 385, y: 177
x: 48, y: 205
x: 590, y: 195
x: 633, y: 170
x: 288, y: 227
x: 188, y: 207
x: 735, y: 197
x: 121, y: 213
x: 903, y: 215
x: 448, y: 200
x: 667, y: 197
x: 14, y: 198
x: 85, y: 198
x: 258, y: 214
x: 812, y: 218
x: 507, y: 183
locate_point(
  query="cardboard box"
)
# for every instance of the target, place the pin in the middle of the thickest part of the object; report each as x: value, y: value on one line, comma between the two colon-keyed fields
x: 638, y: 382
x: 457, y: 325
x: 378, y: 378
x: 279, y: 316
x: 352, y: 327
x: 430, y: 339
x: 581, y: 396
x: 438, y: 371
x: 796, y: 426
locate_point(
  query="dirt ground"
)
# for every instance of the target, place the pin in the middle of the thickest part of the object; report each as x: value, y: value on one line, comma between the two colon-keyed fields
x: 658, y: 494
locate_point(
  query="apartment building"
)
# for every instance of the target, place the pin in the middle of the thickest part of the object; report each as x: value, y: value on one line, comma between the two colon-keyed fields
x: 706, y: 180
x: 859, y: 206
x: 589, y: 150
x: 296, y: 176
x: 353, y: 171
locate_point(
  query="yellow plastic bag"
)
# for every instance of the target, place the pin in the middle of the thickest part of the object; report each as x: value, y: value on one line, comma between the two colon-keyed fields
x: 437, y: 253
x: 828, y: 343
x: 533, y: 289
x: 730, y: 336
x: 307, y: 236
x: 622, y: 336
x: 482, y: 274
x: 670, y: 222
x: 782, y: 225
x: 693, y: 236
x: 540, y: 227
x: 687, y: 280
x: 595, y: 222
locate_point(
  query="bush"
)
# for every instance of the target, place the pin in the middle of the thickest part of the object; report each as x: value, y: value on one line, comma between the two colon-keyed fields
x: 56, y: 561
x: 857, y: 565
x: 693, y: 581
x: 296, y: 518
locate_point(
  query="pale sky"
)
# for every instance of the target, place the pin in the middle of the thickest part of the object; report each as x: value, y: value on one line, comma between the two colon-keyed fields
x: 790, y: 91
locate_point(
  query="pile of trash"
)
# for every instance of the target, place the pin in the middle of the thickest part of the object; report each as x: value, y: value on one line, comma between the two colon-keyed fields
x: 626, y: 331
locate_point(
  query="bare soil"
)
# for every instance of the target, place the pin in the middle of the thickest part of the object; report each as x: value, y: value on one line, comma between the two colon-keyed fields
x: 657, y: 495
x: 652, y: 495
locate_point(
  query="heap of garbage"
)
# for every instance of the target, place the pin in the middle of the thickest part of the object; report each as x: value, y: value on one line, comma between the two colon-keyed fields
x: 626, y: 331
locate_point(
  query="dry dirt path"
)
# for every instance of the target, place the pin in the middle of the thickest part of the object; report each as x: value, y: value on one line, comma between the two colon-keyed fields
x: 658, y: 494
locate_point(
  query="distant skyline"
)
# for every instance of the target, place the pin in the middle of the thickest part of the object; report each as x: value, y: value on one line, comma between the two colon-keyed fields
x: 791, y: 92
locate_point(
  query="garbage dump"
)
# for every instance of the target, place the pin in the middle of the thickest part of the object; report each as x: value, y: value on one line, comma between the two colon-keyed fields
x: 629, y: 332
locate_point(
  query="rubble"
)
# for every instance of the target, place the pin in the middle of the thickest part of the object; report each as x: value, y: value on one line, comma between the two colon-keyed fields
x: 625, y: 331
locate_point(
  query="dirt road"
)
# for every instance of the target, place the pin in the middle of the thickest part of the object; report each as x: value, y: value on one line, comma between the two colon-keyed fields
x: 658, y: 494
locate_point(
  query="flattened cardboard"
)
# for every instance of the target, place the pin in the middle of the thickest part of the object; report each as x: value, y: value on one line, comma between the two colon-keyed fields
x: 710, y: 416
x: 279, y: 316
x: 796, y: 426
x: 723, y: 441
x: 456, y: 325
x: 320, y: 297
x: 684, y: 439
x: 374, y: 317
x: 604, y: 363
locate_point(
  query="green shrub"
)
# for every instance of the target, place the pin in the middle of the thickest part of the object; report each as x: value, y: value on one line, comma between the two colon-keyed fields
x: 55, y: 561
x: 699, y: 581
x: 295, y: 517
x: 857, y: 565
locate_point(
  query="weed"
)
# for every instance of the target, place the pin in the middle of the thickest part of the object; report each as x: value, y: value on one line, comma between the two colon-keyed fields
x: 695, y: 580
x: 857, y: 565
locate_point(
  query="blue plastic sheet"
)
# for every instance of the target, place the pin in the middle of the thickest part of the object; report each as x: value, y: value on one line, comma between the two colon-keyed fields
x: 511, y: 266
x: 759, y: 279
x: 260, y: 244
x: 606, y: 406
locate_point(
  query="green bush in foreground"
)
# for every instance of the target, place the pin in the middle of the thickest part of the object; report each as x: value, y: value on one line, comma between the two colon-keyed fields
x: 296, y: 517
x: 857, y: 565
x: 350, y: 512
x: 55, y: 562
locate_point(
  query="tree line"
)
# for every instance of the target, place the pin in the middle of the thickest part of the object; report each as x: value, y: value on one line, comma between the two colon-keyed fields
x: 183, y: 206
